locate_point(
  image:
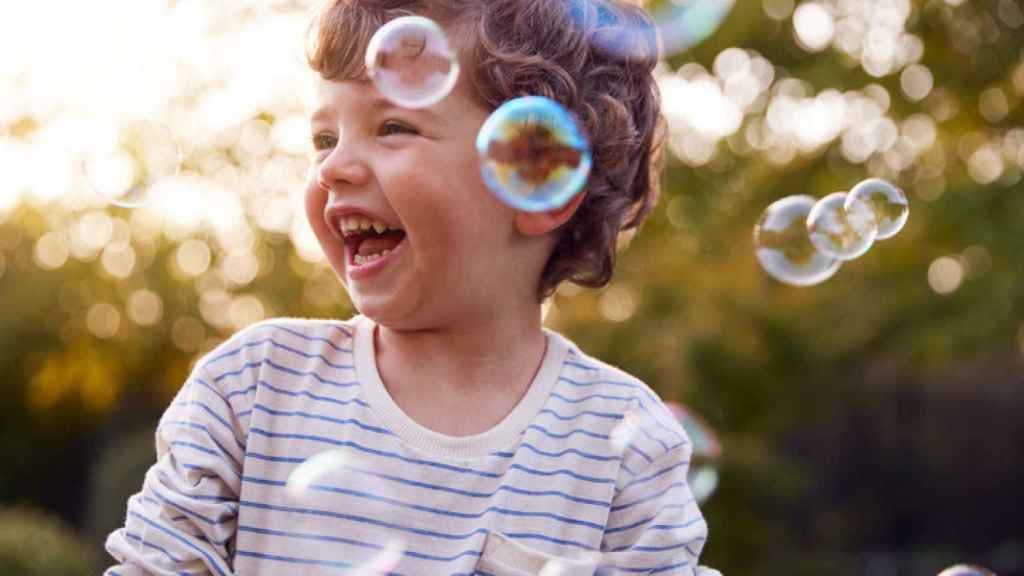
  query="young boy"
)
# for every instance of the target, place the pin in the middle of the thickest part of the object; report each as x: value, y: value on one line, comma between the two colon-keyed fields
x: 483, y: 442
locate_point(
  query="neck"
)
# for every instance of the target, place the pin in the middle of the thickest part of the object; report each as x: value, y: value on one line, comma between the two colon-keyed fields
x: 499, y: 354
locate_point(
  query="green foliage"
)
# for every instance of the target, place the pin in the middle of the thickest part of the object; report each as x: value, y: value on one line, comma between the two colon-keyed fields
x: 33, y: 543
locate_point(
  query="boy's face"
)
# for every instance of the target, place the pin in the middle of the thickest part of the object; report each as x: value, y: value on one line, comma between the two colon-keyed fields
x: 416, y: 170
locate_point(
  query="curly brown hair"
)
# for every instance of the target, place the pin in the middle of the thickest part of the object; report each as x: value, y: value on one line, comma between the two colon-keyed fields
x: 595, y: 57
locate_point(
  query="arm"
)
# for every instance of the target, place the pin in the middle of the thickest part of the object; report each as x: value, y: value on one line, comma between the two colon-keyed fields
x: 654, y: 526
x: 183, y: 521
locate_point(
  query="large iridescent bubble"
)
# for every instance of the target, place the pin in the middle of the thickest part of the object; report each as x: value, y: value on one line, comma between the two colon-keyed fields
x: 410, y: 61
x: 346, y: 479
x: 533, y: 155
x: 784, y: 248
x: 680, y: 25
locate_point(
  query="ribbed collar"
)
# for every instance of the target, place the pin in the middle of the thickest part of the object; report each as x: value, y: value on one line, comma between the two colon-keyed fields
x: 503, y: 435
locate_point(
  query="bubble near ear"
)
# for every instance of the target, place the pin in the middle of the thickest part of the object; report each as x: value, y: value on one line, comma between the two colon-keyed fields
x: 533, y: 155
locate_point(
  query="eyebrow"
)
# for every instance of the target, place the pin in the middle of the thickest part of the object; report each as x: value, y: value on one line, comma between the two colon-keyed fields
x: 379, y: 104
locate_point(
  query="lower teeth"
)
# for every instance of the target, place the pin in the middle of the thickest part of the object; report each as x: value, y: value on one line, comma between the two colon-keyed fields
x: 360, y: 259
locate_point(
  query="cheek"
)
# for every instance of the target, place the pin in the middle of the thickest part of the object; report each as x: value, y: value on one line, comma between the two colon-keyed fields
x: 315, y: 200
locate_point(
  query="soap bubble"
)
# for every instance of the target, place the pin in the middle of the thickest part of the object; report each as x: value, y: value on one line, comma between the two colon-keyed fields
x: 679, y: 25
x: 966, y: 570
x: 409, y: 60
x: 126, y: 169
x: 682, y: 25
x: 623, y: 432
x: 703, y: 474
x: 888, y: 203
x: 784, y: 248
x: 533, y: 155
x: 840, y: 228
x: 343, y: 481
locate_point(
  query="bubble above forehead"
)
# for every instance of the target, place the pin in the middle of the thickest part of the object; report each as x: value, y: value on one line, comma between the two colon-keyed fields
x: 411, y: 62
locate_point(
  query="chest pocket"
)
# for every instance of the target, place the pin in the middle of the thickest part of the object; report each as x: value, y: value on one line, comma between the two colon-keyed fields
x: 503, y: 556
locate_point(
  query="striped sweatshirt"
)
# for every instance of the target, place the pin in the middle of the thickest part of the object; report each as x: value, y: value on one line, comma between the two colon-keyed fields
x: 284, y: 453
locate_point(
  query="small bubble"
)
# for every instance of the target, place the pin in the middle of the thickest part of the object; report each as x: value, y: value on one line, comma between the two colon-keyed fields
x: 889, y: 204
x: 533, y: 154
x: 841, y: 229
x: 411, y: 63
x: 707, y: 450
x: 784, y: 248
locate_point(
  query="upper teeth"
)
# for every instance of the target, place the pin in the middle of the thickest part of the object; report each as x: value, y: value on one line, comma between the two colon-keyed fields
x: 354, y: 224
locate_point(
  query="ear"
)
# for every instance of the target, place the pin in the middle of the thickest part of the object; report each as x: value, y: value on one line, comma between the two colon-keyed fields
x: 539, y: 223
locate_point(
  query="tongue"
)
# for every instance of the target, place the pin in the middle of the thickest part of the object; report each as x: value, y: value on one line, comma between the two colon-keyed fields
x: 375, y: 244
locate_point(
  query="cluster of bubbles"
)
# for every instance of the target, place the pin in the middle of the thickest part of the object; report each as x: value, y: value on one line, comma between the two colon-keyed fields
x: 533, y: 155
x: 803, y: 241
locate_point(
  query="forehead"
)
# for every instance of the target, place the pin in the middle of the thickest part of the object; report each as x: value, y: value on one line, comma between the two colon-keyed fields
x: 361, y: 95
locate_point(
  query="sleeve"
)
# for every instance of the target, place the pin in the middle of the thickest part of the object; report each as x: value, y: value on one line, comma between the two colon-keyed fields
x: 184, y: 519
x: 655, y: 526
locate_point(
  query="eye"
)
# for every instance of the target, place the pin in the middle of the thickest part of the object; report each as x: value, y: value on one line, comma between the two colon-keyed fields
x: 391, y: 128
x: 323, y: 141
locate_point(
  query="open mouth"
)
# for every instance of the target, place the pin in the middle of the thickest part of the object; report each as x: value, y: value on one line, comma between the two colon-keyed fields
x: 368, y: 246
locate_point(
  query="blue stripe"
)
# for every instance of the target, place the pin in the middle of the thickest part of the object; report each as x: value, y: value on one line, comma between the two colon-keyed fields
x: 648, y: 569
x: 302, y: 414
x: 277, y: 344
x: 165, y: 500
x: 326, y: 538
x: 684, y: 545
x: 363, y: 520
x: 442, y: 512
x: 172, y: 557
x: 397, y: 456
x: 209, y: 435
x: 544, y: 431
x: 234, y: 467
x: 556, y: 454
x: 450, y: 490
x: 651, y: 497
x: 291, y: 393
x: 215, y: 391
x: 653, y: 526
x: 318, y: 338
x: 286, y: 370
x: 171, y: 533
x: 656, y: 474
x: 588, y: 397
x: 293, y: 560
x: 545, y: 538
x: 609, y: 415
x: 216, y: 416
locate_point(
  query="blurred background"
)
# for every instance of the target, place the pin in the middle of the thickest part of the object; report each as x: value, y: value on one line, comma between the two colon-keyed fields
x: 869, y: 425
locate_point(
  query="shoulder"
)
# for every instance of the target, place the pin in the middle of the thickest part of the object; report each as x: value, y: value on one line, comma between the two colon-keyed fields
x: 650, y: 430
x: 280, y: 339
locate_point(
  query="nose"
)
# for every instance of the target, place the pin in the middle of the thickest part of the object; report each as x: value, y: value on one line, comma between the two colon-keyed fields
x: 343, y: 168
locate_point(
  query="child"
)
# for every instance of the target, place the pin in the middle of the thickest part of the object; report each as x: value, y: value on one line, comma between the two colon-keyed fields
x: 481, y: 441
